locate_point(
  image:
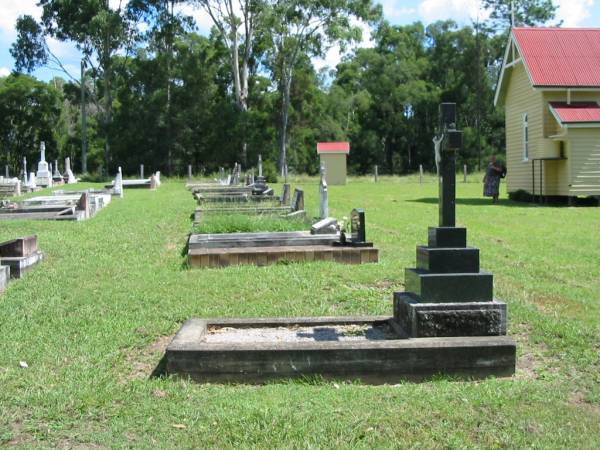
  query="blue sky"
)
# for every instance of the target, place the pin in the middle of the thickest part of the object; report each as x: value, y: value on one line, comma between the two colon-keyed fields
x: 574, y: 13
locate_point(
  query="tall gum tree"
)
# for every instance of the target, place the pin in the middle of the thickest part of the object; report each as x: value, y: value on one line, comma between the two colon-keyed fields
x: 308, y: 27
x: 98, y: 30
x: 236, y: 22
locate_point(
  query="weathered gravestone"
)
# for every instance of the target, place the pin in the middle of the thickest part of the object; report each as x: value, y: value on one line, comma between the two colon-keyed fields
x: 323, y: 195
x: 4, y: 277
x: 43, y: 176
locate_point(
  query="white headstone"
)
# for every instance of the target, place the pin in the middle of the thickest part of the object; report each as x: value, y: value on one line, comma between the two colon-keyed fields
x: 118, y: 185
x: 324, y: 203
x: 32, y: 182
x: 25, y: 180
x: 260, y: 166
x: 68, y: 172
x: 43, y: 175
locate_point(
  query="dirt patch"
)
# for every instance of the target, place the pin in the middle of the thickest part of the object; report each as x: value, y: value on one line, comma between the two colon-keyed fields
x: 578, y: 400
x: 143, y: 361
x: 170, y: 246
x: 552, y: 304
x: 19, y: 437
x: 533, y: 358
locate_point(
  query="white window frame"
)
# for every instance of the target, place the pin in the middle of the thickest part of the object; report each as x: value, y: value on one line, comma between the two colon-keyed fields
x: 525, y: 137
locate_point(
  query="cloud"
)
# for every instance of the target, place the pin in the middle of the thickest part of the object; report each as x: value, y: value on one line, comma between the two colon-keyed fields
x: 573, y: 12
x: 459, y: 10
x: 11, y: 10
x: 4, y: 72
x: 393, y: 11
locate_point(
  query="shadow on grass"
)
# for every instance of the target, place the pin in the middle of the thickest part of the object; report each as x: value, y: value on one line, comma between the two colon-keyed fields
x: 476, y: 202
x: 160, y: 370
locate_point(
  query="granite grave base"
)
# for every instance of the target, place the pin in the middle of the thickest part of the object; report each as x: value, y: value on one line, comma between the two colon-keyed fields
x: 20, y: 255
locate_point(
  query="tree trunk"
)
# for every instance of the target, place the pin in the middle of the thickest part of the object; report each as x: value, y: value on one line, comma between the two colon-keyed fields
x: 285, y: 109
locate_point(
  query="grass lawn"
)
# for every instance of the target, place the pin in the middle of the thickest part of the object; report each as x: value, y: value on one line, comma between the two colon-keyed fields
x: 92, y: 322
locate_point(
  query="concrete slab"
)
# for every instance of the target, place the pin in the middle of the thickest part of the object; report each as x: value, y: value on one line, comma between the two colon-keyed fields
x: 387, y: 359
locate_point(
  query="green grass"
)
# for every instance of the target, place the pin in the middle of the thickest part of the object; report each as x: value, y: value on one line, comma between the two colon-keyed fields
x: 237, y: 223
x: 92, y: 321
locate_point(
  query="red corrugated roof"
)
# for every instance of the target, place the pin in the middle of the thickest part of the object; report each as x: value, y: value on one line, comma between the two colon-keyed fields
x: 561, y: 57
x: 577, y: 112
x: 333, y: 147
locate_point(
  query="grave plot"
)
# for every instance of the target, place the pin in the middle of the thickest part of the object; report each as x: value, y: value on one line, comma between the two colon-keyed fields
x: 140, y: 183
x: 63, y: 205
x: 10, y: 187
x: 448, y: 323
x: 323, y: 243
x: 249, y: 204
x: 19, y: 255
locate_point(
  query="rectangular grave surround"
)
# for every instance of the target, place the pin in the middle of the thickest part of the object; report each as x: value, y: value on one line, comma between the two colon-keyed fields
x: 20, y: 255
x: 370, y: 349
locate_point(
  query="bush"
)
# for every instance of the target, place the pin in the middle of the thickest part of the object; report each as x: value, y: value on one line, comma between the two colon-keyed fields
x: 520, y: 196
x: 269, y: 171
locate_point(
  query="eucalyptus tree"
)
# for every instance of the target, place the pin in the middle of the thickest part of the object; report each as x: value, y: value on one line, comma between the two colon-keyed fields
x: 236, y: 22
x: 98, y: 30
x: 310, y: 28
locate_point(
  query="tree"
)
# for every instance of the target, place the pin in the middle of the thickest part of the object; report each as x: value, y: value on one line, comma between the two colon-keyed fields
x: 308, y: 27
x: 166, y: 25
x: 29, y: 110
x: 236, y: 23
x: 529, y: 13
x: 96, y: 29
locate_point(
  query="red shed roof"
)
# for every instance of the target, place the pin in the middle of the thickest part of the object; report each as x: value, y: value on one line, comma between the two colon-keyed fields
x: 560, y: 57
x: 576, y: 112
x: 333, y: 147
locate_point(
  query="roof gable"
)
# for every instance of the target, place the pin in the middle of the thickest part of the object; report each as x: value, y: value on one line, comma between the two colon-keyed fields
x: 553, y: 58
x: 560, y: 57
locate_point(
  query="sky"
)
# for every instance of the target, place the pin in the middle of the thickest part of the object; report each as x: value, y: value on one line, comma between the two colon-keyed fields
x: 573, y: 13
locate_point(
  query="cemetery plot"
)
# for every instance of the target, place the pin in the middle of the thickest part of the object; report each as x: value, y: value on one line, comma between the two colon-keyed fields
x: 18, y: 255
x: 10, y: 187
x: 62, y: 205
x: 245, y: 203
x: 370, y: 349
x: 140, y: 183
x: 447, y: 322
x: 323, y: 243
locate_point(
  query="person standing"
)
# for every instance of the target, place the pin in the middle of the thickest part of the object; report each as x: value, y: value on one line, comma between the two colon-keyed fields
x: 491, y: 180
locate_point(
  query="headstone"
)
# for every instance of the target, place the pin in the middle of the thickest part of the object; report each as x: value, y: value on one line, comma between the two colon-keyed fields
x: 298, y: 200
x: 68, y: 175
x: 142, y: 171
x: 157, y: 177
x: 189, y: 171
x: 376, y: 173
x: 260, y: 167
x: 221, y: 175
x: 43, y: 175
x: 285, y: 196
x: 357, y: 224
x: 25, y: 179
x: 328, y: 225
x: 6, y: 171
x: 32, y: 181
x: 83, y: 204
x: 420, y: 173
x: 447, y: 293
x: 324, y: 201
x: 118, y: 186
x: 260, y: 184
x: 4, y: 277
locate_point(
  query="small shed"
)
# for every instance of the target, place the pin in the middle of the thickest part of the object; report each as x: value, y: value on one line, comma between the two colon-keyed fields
x: 333, y: 156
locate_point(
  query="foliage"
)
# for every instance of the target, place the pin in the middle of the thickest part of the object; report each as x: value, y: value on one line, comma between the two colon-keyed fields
x: 245, y: 224
x: 29, y: 110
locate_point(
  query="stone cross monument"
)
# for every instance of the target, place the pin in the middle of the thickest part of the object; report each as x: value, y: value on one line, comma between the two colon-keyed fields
x: 447, y: 293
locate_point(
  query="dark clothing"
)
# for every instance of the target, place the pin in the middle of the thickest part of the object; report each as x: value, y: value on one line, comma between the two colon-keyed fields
x: 491, y: 182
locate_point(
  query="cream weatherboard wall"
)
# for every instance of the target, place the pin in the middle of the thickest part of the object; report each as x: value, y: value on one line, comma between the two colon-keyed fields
x: 579, y: 173
x: 584, y: 158
x: 521, y: 99
x: 335, y: 166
